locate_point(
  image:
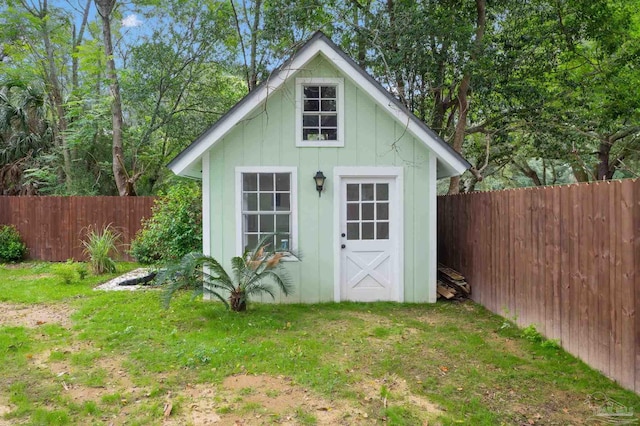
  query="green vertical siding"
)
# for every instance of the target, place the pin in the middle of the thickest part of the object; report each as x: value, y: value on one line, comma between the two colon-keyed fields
x: 372, y: 138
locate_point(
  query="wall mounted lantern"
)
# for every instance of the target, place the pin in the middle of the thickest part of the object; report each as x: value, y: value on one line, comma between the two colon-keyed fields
x: 319, y: 178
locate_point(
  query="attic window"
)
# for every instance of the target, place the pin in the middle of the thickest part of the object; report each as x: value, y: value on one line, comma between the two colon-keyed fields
x: 320, y: 107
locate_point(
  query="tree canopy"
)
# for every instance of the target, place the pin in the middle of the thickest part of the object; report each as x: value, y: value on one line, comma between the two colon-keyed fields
x: 97, y: 96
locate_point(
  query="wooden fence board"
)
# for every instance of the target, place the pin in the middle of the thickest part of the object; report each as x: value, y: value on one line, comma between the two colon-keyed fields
x: 563, y: 258
x: 53, y: 227
x: 626, y: 289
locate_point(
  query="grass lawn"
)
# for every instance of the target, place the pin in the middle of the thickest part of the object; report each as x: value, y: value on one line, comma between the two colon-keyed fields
x: 71, y: 355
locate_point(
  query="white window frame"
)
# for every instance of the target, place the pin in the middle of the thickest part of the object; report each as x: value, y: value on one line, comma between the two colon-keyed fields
x: 339, y: 84
x: 293, y: 231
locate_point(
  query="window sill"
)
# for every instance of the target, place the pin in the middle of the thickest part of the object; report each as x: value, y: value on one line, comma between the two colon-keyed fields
x: 320, y: 144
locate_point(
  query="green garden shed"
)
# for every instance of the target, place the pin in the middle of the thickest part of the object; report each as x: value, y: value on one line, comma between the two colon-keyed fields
x: 368, y: 232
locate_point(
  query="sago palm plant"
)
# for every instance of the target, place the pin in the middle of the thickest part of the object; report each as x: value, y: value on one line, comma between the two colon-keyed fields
x: 252, y: 274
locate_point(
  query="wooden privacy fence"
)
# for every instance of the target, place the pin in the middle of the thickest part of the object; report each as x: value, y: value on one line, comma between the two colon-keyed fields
x: 563, y: 258
x: 53, y: 227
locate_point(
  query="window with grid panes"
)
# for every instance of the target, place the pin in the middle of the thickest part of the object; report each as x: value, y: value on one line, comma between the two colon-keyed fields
x: 320, y: 112
x: 266, y: 209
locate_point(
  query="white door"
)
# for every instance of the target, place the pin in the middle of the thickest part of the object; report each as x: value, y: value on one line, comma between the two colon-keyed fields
x: 368, y: 254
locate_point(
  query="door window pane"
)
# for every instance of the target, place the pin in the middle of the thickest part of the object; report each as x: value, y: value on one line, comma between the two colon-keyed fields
x: 367, y: 192
x: 382, y: 231
x: 367, y: 231
x: 367, y: 211
x: 352, y: 192
x: 382, y: 211
x: 353, y: 231
x: 353, y: 211
x: 382, y: 191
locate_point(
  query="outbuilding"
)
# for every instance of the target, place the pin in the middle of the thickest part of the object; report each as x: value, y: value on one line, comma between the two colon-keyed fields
x: 365, y: 232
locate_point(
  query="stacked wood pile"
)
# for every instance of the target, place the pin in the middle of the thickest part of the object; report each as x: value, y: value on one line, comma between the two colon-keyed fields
x: 451, y: 284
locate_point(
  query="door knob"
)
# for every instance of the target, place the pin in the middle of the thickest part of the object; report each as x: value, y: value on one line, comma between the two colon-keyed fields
x: 343, y: 246
x: 343, y: 234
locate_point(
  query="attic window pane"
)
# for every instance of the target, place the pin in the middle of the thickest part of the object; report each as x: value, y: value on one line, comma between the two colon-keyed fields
x: 311, y: 105
x: 328, y: 91
x: 312, y: 92
x: 310, y: 120
x: 329, y: 120
x: 328, y: 105
x: 330, y: 134
x: 310, y: 134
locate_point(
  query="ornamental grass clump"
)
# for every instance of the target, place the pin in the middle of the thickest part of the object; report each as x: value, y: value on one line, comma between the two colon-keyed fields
x: 253, y: 274
x: 100, y: 246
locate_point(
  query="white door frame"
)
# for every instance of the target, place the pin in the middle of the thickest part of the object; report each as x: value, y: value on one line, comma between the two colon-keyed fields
x: 397, y: 225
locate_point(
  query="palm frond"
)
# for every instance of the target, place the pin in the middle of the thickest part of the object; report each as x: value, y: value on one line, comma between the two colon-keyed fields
x: 261, y: 287
x: 282, y: 280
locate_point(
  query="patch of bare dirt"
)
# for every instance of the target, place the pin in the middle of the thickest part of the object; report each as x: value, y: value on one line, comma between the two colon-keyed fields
x: 257, y: 400
x: 261, y: 399
x: 32, y: 316
x: 5, y: 408
x: 396, y: 392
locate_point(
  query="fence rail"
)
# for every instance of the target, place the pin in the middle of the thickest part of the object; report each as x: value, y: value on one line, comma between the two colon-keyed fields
x: 53, y: 227
x: 563, y: 258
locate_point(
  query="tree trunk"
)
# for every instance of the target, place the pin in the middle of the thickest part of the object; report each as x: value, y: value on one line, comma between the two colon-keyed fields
x: 253, y: 70
x: 238, y: 301
x: 77, y: 40
x: 463, y: 90
x: 124, y: 185
x: 528, y: 172
x: 57, y: 98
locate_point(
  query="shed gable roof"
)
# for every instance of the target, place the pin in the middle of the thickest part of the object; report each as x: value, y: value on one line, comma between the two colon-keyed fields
x: 187, y: 163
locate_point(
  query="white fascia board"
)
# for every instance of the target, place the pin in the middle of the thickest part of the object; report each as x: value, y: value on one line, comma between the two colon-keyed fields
x: 450, y: 161
x: 256, y: 98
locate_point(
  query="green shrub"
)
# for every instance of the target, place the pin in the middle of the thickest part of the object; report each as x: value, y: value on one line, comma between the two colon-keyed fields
x: 174, y: 229
x: 67, y: 271
x: 100, y: 246
x: 12, y: 249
